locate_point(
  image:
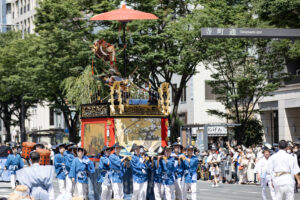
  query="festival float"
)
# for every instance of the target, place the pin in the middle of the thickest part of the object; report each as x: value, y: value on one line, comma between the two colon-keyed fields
x: 124, y: 118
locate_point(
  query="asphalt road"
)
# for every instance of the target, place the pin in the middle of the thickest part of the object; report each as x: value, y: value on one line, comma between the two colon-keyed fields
x: 205, y: 191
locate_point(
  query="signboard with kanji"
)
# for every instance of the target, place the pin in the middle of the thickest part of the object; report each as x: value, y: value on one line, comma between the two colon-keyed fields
x: 250, y: 33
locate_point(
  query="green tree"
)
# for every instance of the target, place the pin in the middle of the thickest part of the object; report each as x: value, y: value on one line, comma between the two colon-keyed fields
x: 281, y: 14
x: 19, y: 84
x: 64, y: 51
x: 6, y: 98
x: 79, y: 90
x: 243, y: 71
x: 254, y: 132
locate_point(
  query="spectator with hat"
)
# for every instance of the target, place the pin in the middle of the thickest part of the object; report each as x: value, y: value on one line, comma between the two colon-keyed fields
x: 190, y: 173
x: 117, y: 169
x: 13, y: 163
x: 80, y: 167
x: 21, y: 192
x: 213, y: 160
x: 60, y: 167
x: 139, y: 167
x: 104, y: 178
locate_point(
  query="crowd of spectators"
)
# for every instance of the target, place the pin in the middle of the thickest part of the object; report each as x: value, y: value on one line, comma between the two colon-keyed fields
x: 236, y: 164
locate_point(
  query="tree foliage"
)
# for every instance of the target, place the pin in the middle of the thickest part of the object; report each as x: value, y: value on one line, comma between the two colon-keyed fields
x: 243, y: 71
x: 18, y: 81
x: 281, y: 14
x: 64, y: 51
x: 253, y: 133
x: 79, y: 90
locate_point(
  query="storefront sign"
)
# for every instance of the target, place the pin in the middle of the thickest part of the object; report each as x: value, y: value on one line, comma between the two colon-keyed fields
x: 216, y: 130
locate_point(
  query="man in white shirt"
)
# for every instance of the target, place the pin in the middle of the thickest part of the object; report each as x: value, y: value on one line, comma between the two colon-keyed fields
x: 262, y: 175
x: 213, y: 160
x: 283, y: 170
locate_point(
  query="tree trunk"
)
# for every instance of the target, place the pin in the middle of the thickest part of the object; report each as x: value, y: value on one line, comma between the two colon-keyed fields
x: 22, y: 115
x: 175, y: 133
x: 240, y: 133
x: 71, y: 125
x: 6, y: 118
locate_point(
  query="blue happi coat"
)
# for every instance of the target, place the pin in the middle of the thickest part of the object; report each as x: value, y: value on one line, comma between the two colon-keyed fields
x: 157, y: 172
x: 104, y: 170
x: 69, y: 157
x: 168, y: 171
x: 117, y: 168
x: 38, y: 179
x: 139, y: 169
x: 79, y: 169
x: 190, y: 170
x: 14, y: 163
x: 60, y: 166
x: 179, y: 167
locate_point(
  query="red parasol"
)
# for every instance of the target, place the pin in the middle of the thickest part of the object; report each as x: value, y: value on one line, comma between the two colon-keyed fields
x: 124, y: 15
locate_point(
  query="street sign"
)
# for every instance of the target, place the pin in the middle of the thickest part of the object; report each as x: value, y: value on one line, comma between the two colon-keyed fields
x: 250, y: 33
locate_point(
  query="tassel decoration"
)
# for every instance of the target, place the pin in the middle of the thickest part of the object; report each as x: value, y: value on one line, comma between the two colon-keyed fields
x: 130, y: 36
x: 92, y: 66
x: 120, y: 40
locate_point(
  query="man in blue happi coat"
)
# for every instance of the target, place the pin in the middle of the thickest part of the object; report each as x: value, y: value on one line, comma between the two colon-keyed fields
x: 157, y: 175
x: 80, y: 167
x: 13, y: 163
x: 37, y: 178
x: 117, y: 170
x: 69, y: 157
x: 179, y: 170
x: 190, y: 173
x: 104, y: 179
x: 168, y: 173
x: 139, y: 167
x: 60, y: 168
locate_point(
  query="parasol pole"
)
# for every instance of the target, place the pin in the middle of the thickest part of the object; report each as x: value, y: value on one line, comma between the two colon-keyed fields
x: 124, y: 52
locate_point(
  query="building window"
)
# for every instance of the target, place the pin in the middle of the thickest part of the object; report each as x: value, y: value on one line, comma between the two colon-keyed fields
x: 183, y: 117
x: 24, y: 9
x: 8, y: 8
x: 51, y: 114
x: 183, y: 95
x: 28, y: 6
x: 18, y: 6
x: 209, y: 95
